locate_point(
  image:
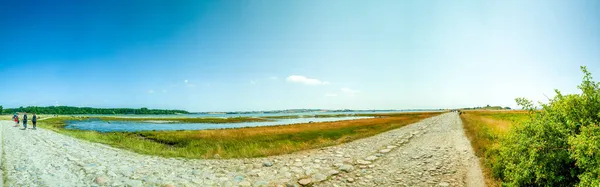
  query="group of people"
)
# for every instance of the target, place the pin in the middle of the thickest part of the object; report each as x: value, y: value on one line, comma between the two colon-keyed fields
x: 17, y: 120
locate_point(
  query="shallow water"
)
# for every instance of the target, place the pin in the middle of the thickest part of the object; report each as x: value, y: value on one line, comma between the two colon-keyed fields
x: 129, y: 126
x: 223, y: 115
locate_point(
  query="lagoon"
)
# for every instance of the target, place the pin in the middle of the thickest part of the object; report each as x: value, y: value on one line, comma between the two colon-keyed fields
x: 134, y: 126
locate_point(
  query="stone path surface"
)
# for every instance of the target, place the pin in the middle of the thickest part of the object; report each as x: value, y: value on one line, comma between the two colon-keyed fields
x: 432, y: 152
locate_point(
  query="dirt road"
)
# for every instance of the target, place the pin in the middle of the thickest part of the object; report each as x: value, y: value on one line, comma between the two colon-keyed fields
x: 433, y: 152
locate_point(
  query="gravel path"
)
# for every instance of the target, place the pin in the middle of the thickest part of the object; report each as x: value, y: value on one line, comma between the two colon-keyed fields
x: 433, y: 152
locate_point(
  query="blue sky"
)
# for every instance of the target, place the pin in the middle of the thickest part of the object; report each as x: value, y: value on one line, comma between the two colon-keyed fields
x: 264, y: 55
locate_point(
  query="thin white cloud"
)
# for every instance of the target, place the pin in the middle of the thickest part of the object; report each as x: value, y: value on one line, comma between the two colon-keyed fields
x: 252, y: 82
x: 349, y: 91
x: 188, y: 84
x: 273, y: 78
x: 331, y: 95
x: 305, y: 80
x: 164, y: 91
x: 150, y: 91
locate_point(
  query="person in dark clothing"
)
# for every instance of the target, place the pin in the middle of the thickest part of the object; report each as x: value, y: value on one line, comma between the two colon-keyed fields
x: 34, y: 121
x: 24, y: 120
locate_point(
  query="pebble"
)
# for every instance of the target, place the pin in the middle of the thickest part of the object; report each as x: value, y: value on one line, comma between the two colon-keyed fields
x: 363, y: 162
x: 371, y: 158
x: 244, y: 183
x: 133, y: 183
x: 350, y: 180
x: 346, y: 168
x: 267, y: 163
x: 100, y: 180
x: 333, y: 172
x: 319, y: 177
x: 238, y: 178
x: 261, y: 183
x: 305, y: 181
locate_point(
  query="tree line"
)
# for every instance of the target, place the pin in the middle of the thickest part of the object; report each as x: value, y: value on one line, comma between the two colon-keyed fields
x: 88, y: 110
x: 488, y: 107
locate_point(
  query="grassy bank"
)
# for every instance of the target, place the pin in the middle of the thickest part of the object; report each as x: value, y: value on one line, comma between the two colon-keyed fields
x: 242, y: 142
x: 485, y: 129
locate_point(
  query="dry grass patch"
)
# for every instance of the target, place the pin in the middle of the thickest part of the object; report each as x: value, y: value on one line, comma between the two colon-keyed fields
x: 485, y: 129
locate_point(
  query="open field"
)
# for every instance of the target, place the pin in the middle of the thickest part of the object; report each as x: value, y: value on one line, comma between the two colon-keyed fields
x: 243, y: 142
x: 485, y: 129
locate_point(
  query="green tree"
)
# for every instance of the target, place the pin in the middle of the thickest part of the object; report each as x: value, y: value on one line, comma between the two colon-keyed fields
x: 559, y: 146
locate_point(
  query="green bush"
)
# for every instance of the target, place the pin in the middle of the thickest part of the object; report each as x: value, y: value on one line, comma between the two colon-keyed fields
x: 559, y: 146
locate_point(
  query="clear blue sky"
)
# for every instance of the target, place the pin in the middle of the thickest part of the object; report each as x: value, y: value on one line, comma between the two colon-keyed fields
x: 263, y: 55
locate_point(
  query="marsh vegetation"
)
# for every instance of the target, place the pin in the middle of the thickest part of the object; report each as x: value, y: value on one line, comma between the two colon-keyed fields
x: 242, y: 142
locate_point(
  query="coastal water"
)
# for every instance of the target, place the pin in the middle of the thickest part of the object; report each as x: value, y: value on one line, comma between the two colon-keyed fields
x: 129, y: 126
x: 226, y: 115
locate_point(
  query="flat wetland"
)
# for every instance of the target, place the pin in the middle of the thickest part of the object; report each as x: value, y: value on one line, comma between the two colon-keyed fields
x: 238, y: 142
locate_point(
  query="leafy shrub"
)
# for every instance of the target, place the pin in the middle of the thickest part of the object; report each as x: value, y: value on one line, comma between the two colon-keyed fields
x: 559, y: 146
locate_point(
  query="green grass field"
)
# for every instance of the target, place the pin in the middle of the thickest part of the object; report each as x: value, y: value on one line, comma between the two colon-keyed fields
x: 242, y: 142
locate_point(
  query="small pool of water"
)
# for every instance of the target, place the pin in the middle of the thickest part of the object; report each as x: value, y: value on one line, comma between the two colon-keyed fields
x: 128, y: 126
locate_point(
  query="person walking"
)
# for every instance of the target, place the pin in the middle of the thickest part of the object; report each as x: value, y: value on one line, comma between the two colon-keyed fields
x: 24, y: 120
x: 34, y: 121
x: 16, y: 119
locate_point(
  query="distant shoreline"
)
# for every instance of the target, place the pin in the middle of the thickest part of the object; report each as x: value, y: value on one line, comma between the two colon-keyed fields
x: 311, y: 110
x: 70, y: 110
